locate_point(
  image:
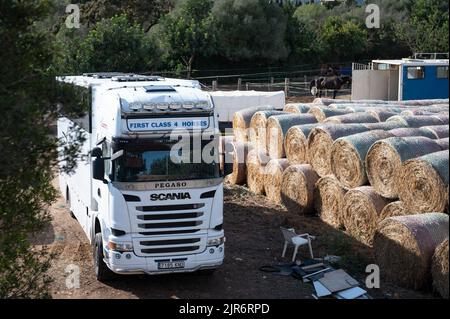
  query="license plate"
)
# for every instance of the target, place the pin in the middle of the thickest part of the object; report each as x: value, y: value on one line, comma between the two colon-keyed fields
x: 171, y: 265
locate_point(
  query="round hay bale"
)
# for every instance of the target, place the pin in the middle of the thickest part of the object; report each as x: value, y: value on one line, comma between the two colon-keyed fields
x: 320, y: 142
x: 322, y: 113
x: 277, y: 127
x: 297, y: 188
x: 394, y: 209
x: 411, y: 131
x: 241, y: 121
x: 297, y: 108
x: 404, y: 246
x: 296, y: 143
x: 359, y: 117
x: 273, y: 178
x: 443, y: 143
x: 416, y: 112
x: 416, y: 121
x: 442, y: 117
x: 439, y: 269
x: 440, y: 131
x: 348, y: 156
x: 239, y: 152
x: 385, y: 126
x: 423, y: 183
x: 384, y: 160
x: 256, y: 164
x: 328, y: 197
x: 382, y: 115
x: 361, y: 210
x: 258, y: 124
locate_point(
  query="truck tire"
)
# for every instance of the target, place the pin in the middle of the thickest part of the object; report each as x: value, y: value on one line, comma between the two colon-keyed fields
x: 69, y: 203
x: 102, y: 272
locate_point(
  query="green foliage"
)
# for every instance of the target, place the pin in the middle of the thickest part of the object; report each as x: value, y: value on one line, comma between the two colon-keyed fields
x: 112, y: 45
x: 250, y: 29
x: 343, y: 40
x: 187, y: 33
x: 29, y: 102
x: 427, y: 28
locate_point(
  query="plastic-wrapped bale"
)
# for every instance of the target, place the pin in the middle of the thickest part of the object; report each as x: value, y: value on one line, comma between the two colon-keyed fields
x: 404, y: 246
x: 258, y: 124
x: 439, y: 269
x: 273, y: 177
x: 241, y: 121
x: 411, y: 131
x: 423, y: 183
x: 443, y: 117
x: 348, y: 156
x: 416, y: 121
x: 385, y: 158
x: 359, y: 117
x: 382, y: 115
x: 326, y: 101
x: 320, y: 142
x: 256, y: 165
x: 361, y: 211
x: 296, y: 143
x: 297, y: 107
x: 394, y: 209
x: 297, y: 188
x: 328, y: 197
x: 278, y: 126
x: 443, y: 143
x: 423, y: 102
x: 440, y: 131
x: 238, y: 152
x: 322, y: 113
x: 386, y: 126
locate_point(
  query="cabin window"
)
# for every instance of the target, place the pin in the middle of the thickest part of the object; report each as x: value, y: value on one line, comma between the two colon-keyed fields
x: 442, y: 72
x: 416, y: 72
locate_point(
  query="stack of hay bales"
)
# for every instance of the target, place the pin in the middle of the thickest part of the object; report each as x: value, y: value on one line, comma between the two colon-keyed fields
x: 241, y: 121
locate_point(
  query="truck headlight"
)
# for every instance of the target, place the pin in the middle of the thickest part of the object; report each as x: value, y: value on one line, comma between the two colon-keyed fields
x: 215, y: 241
x: 120, y: 247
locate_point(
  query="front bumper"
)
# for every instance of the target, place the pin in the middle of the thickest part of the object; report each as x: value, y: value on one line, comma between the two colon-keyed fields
x: 127, y: 263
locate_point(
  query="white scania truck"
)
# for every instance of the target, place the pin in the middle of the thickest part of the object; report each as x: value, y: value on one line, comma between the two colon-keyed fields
x: 145, y: 204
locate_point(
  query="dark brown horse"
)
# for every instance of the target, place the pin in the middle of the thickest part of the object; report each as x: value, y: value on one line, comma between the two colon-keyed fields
x: 328, y: 83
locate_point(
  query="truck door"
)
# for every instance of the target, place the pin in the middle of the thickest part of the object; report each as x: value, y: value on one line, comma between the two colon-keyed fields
x: 100, y: 190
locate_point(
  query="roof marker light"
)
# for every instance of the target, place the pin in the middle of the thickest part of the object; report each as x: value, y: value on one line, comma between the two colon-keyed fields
x: 175, y: 106
x: 135, y: 106
x: 149, y: 106
x: 188, y: 105
x: 162, y: 106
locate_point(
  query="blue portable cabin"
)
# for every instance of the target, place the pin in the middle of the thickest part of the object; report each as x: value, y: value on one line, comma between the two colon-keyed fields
x: 405, y: 79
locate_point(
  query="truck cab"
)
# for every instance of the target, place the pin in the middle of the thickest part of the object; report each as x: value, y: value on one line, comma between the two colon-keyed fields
x: 148, y: 188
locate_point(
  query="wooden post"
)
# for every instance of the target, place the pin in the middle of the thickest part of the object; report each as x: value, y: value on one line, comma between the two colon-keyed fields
x: 247, y: 85
x: 286, y: 87
x: 305, y: 78
x: 272, y: 81
x: 214, y: 85
x: 239, y: 84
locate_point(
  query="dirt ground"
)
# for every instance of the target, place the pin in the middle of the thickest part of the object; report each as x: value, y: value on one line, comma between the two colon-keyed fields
x: 251, y: 226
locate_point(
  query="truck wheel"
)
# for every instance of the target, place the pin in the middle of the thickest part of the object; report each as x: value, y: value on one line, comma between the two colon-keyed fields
x: 102, y: 272
x: 69, y: 203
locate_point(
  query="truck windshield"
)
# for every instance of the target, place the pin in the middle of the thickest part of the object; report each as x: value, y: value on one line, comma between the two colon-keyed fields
x: 162, y: 163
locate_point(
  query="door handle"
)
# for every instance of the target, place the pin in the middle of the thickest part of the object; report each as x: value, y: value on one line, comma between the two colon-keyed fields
x: 99, y: 193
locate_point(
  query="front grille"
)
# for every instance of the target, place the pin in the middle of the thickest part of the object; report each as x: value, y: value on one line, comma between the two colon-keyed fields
x: 170, y: 230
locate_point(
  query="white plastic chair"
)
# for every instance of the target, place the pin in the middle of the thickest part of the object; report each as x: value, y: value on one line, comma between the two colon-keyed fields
x: 290, y: 237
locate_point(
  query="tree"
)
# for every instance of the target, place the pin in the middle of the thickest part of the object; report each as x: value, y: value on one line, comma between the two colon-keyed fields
x: 28, y: 100
x: 342, y: 40
x: 187, y: 33
x: 112, y: 45
x: 427, y: 28
x: 250, y: 29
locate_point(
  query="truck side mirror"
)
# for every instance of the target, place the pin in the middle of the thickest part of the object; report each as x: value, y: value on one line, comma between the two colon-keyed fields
x: 96, y: 152
x: 98, y: 169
